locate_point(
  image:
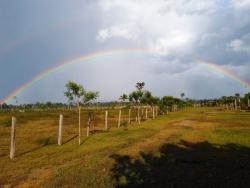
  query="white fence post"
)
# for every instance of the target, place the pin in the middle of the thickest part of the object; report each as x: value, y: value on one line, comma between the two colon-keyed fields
x: 138, y: 113
x: 153, y: 113
x: 60, y: 130
x: 106, y: 120
x: 129, y: 116
x: 13, y: 138
x: 119, y: 118
x: 79, y: 125
x: 88, y: 124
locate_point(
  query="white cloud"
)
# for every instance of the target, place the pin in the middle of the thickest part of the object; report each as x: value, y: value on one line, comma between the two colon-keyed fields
x: 241, y: 3
x: 171, y: 42
x: 240, y: 45
x: 163, y: 26
x: 128, y: 31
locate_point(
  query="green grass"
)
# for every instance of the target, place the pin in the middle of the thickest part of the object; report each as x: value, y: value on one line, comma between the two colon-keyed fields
x: 101, y: 159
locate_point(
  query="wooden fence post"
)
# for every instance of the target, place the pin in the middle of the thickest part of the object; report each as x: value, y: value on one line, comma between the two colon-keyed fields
x: 248, y: 102
x: 13, y: 138
x: 153, y: 113
x: 138, y: 113
x: 129, y: 116
x: 88, y: 124
x: 106, y: 120
x: 79, y: 125
x: 146, y: 114
x: 119, y: 118
x: 60, y: 130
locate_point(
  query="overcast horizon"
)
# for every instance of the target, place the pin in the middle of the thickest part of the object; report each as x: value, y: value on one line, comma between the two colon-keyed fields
x: 38, y: 35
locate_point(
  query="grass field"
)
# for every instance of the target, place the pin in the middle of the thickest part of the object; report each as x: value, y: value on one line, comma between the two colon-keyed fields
x: 198, y: 147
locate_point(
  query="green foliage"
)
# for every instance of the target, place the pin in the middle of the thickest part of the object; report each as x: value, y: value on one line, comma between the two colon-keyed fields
x: 182, y: 95
x: 136, y: 96
x: 89, y: 96
x: 76, y: 92
x: 140, y: 85
x: 123, y: 97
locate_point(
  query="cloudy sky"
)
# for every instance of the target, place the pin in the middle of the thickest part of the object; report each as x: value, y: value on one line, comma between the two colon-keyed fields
x: 37, y: 35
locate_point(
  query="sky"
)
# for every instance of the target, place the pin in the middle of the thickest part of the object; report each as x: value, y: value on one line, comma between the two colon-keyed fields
x: 38, y: 35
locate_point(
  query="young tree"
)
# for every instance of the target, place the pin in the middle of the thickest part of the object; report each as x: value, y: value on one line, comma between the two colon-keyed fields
x: 86, y: 99
x: 76, y: 93
x: 136, y: 97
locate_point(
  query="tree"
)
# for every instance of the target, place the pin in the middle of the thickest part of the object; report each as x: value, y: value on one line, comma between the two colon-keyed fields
x: 76, y: 93
x: 89, y: 96
x: 16, y: 101
x: 140, y: 85
x: 237, y: 95
x: 182, y: 95
x: 136, y: 97
x: 123, y: 97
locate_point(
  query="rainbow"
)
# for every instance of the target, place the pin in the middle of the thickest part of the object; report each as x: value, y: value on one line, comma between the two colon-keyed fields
x: 98, y: 54
x: 224, y: 71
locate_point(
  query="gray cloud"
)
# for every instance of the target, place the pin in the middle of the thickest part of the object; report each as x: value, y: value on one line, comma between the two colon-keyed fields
x: 36, y: 36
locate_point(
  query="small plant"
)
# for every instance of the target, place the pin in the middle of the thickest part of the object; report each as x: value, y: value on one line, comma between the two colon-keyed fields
x: 7, y: 123
x: 44, y: 141
x: 124, y: 125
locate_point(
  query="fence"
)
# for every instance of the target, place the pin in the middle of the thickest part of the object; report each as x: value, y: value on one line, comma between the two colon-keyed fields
x: 33, y: 130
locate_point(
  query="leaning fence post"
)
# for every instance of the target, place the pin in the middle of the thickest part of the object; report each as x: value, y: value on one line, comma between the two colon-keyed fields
x: 119, y: 118
x: 106, y: 120
x: 13, y: 138
x: 60, y: 130
x: 129, y: 115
